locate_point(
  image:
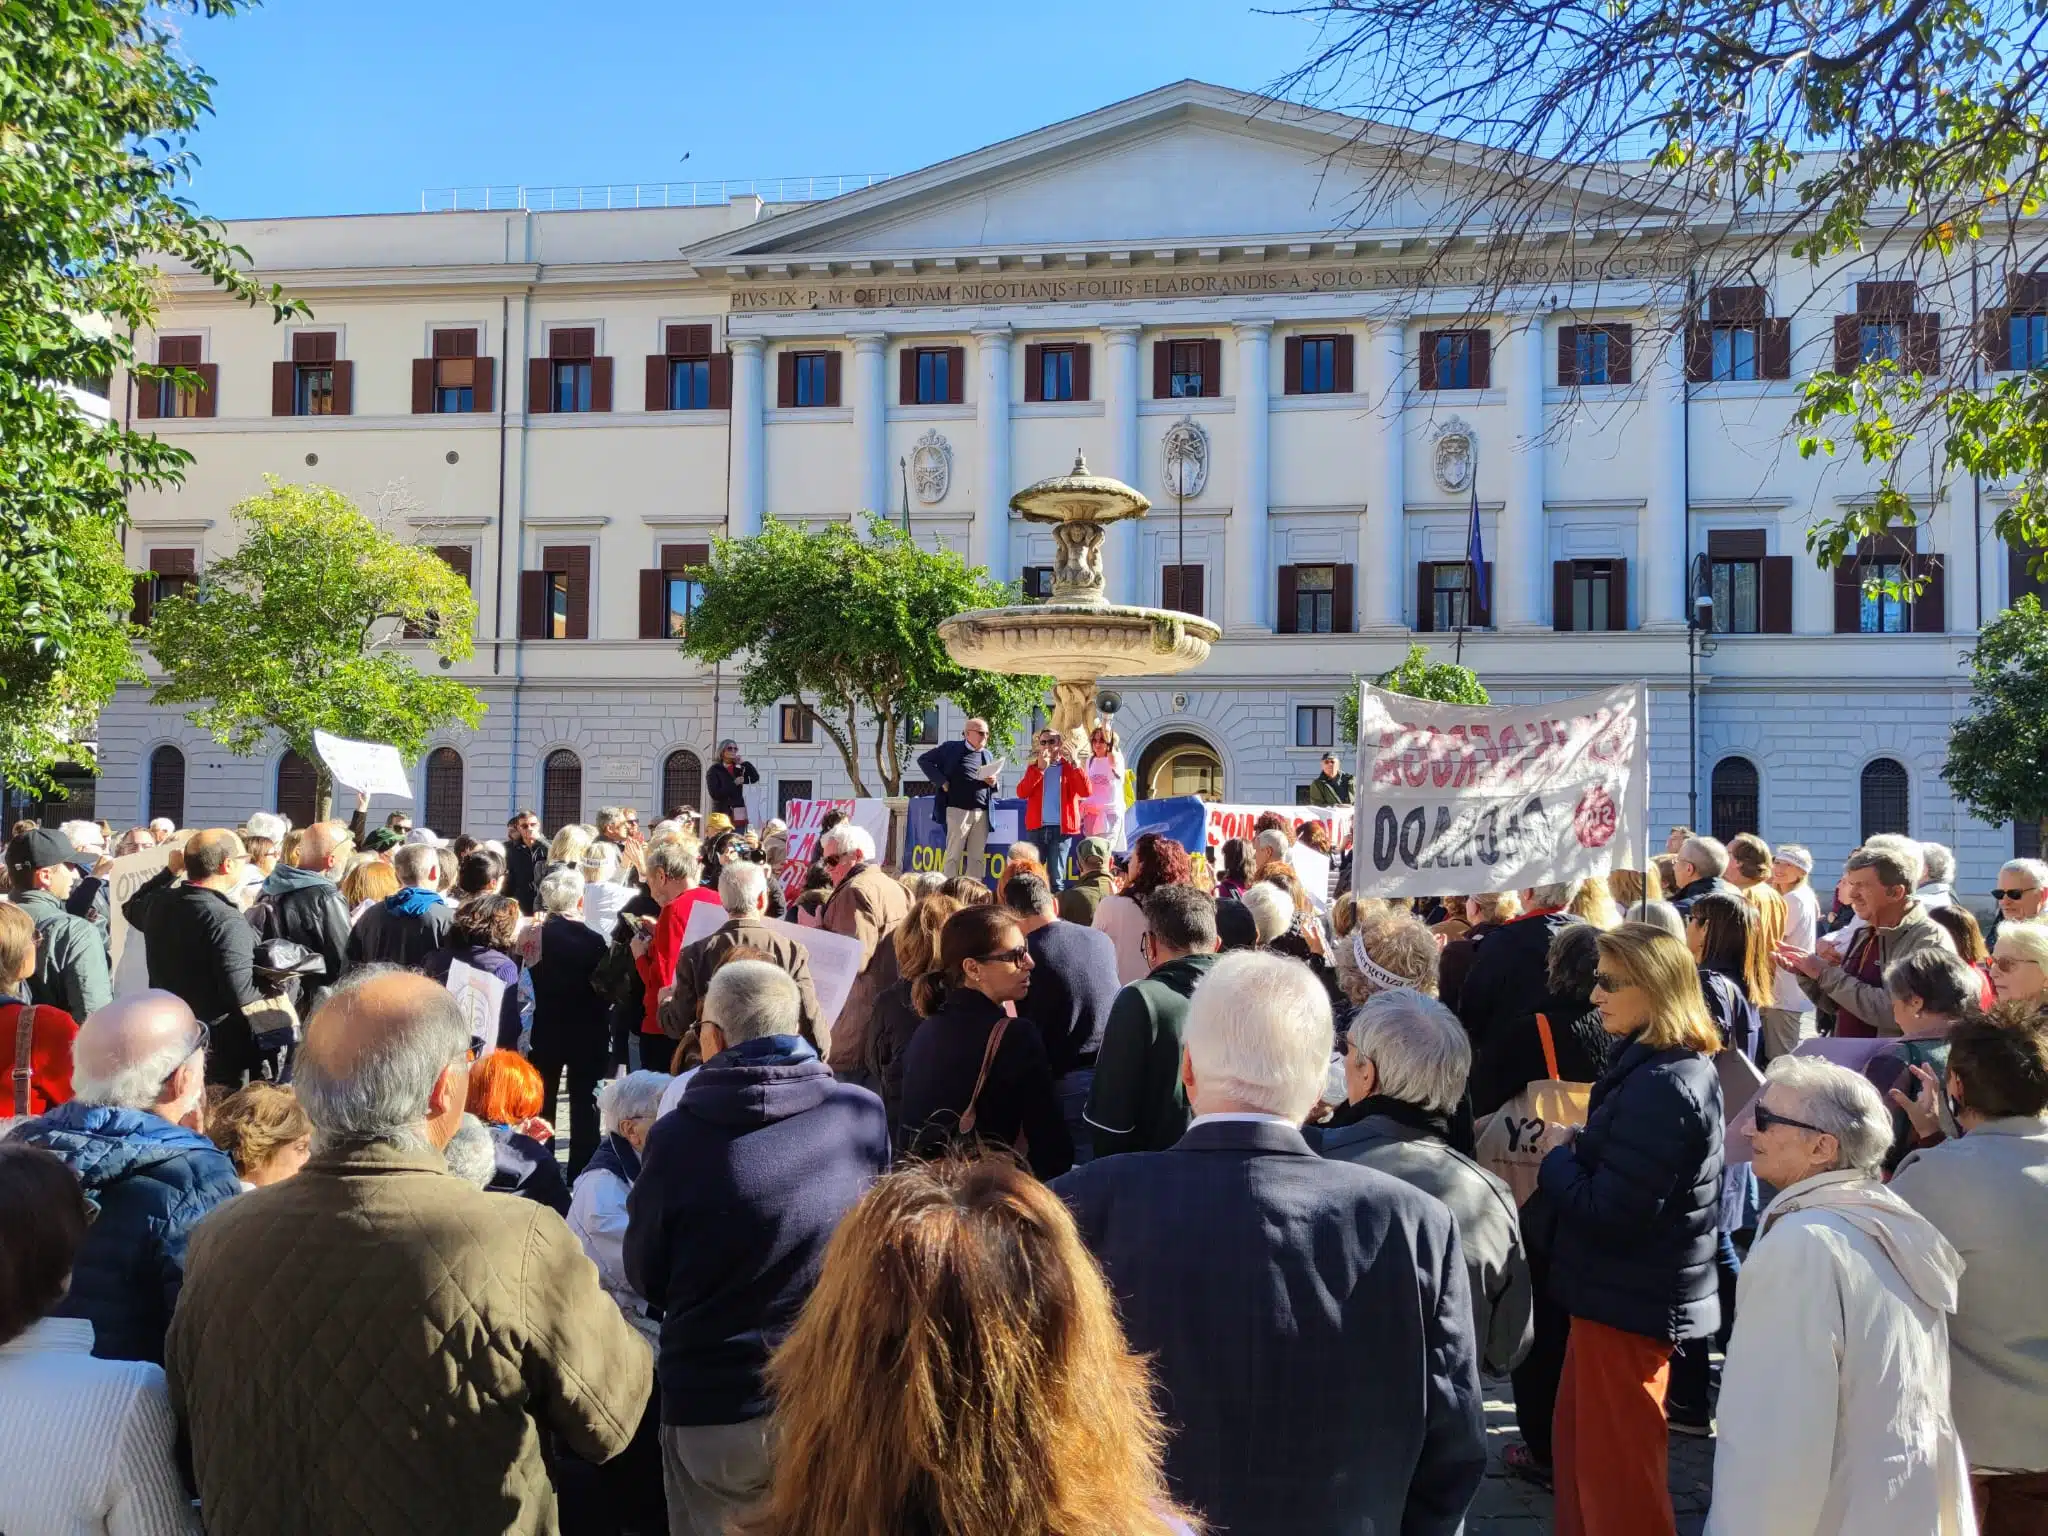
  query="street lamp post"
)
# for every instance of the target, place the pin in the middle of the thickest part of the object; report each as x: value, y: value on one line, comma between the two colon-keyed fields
x: 1699, y: 641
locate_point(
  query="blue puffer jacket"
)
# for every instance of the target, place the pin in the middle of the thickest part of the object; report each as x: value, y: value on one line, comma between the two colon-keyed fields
x: 151, y: 1181
x: 1636, y: 1196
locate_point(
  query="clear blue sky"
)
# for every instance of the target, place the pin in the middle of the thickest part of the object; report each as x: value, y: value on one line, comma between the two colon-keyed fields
x: 347, y: 106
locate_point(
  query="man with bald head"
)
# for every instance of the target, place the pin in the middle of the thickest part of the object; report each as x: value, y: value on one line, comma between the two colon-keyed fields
x: 374, y: 1345
x: 301, y: 902
x: 131, y: 1132
x: 201, y: 947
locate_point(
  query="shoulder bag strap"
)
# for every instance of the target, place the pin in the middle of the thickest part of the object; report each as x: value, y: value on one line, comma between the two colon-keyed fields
x: 1549, y: 1045
x: 988, y: 1056
x: 24, y: 1072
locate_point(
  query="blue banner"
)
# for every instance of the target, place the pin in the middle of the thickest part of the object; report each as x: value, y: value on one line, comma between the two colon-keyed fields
x: 1184, y: 818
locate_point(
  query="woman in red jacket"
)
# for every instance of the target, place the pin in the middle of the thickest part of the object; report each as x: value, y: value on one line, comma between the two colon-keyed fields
x: 1052, y: 790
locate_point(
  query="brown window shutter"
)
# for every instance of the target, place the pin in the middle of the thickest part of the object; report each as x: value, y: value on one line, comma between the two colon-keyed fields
x: 1736, y: 543
x: 1699, y: 352
x: 209, y: 388
x: 956, y: 375
x: 1886, y: 300
x: 1425, y: 596
x: 423, y: 385
x: 1567, y: 355
x: 1290, y: 368
x: 1162, y: 370
x: 657, y: 383
x: 1191, y: 586
x: 283, y: 376
x: 482, y: 397
x: 1034, y: 373
x: 1344, y: 365
x: 1995, y: 340
x: 1169, y: 589
x: 906, y: 376
x: 148, y: 396
x: 1775, y: 599
x: 1776, y: 362
x: 454, y: 344
x: 2025, y: 291
x: 1735, y: 305
x: 533, y: 605
x: 344, y: 389
x: 1621, y: 346
x: 1212, y: 367
x: 1343, y: 600
x: 1923, y: 343
x: 653, y: 604
x: 1083, y: 384
x: 174, y: 562
x: 1284, y: 620
x: 539, y: 398
x: 573, y: 344
x: 1848, y: 344
x: 1849, y: 596
x: 832, y: 361
x: 1561, y: 595
x: 1482, y: 613
x: 785, y: 379
x: 600, y: 384
x: 306, y: 347
x: 1617, y: 594
x: 1425, y: 358
x: 721, y: 381
x: 1930, y: 608
x: 689, y: 341
x: 178, y: 351
x: 574, y: 561
x: 142, y: 590
x: 459, y: 558
x: 1482, y: 359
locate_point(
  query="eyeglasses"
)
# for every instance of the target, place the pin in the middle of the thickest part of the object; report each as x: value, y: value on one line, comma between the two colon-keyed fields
x: 2004, y: 964
x: 1607, y: 983
x: 199, y: 1046
x: 832, y: 860
x: 1766, y: 1119
x: 1021, y: 955
x: 2012, y: 895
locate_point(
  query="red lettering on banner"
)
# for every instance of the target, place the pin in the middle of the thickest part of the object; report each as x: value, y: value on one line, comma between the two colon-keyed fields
x: 1509, y: 747
x: 1415, y: 759
x: 1386, y: 767
x: 1462, y: 779
x: 1443, y: 763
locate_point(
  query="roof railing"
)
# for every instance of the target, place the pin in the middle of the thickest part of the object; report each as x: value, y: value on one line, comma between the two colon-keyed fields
x: 644, y: 194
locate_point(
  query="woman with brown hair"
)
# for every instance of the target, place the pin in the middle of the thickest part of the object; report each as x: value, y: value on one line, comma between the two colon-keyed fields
x: 1155, y: 861
x: 485, y: 937
x: 264, y: 1132
x: 959, y: 1371
x: 973, y: 1072
x: 896, y: 1016
x: 1735, y: 979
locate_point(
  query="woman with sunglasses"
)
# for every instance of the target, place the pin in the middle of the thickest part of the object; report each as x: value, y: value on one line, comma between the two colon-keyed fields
x: 2019, y: 961
x: 1635, y: 1196
x: 974, y: 1072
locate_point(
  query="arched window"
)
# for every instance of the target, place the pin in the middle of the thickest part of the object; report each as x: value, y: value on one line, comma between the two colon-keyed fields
x: 1885, y: 787
x: 1735, y: 797
x: 561, y: 789
x: 443, y: 806
x: 682, y: 782
x: 298, y: 789
x: 167, y: 785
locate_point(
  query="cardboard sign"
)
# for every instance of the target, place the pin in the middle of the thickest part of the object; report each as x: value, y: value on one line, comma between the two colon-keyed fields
x: 806, y: 825
x: 364, y: 765
x: 835, y: 959
x: 128, y: 963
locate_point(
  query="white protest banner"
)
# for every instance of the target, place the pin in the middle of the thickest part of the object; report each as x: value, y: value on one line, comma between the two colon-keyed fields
x: 1457, y: 797
x: 128, y: 962
x: 806, y: 823
x: 366, y: 765
x: 481, y: 997
x: 1228, y: 821
x: 835, y: 959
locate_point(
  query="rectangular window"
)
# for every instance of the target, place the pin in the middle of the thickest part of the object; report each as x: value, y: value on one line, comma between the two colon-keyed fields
x: 1448, y: 595
x: 934, y: 376
x: 454, y: 399
x: 796, y: 725
x: 557, y: 615
x: 570, y: 389
x: 171, y: 584
x: 683, y: 595
x: 1594, y: 355
x: 1056, y: 373
x: 787, y: 790
x: 1037, y: 583
x: 1735, y: 353
x: 1185, y: 376
x: 2029, y: 341
x: 1454, y: 360
x: 1882, y: 341
x: 313, y: 390
x: 689, y: 384
x: 1318, y: 365
x: 924, y: 730
x: 1315, y: 725
x: 1592, y: 594
x: 811, y: 388
x: 1885, y: 598
x: 1180, y: 588
x: 173, y: 399
x: 1737, y: 589
x: 1315, y: 599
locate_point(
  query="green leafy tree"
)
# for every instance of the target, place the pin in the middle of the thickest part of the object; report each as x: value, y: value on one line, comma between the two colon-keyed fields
x: 847, y: 627
x: 96, y: 101
x: 299, y: 629
x: 1419, y: 678
x: 1998, y: 753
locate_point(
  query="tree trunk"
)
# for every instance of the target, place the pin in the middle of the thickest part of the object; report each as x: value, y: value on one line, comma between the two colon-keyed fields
x: 323, y: 791
x: 847, y: 740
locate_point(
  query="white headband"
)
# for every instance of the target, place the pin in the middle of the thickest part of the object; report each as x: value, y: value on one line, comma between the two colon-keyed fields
x: 1374, y: 972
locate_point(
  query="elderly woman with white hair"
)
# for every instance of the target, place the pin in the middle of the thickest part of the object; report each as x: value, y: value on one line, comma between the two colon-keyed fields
x: 1405, y: 1061
x: 605, y: 894
x: 1380, y: 954
x: 1835, y: 1401
x: 2019, y: 961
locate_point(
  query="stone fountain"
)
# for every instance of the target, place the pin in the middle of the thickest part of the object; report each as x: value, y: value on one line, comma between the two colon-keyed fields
x: 1079, y: 637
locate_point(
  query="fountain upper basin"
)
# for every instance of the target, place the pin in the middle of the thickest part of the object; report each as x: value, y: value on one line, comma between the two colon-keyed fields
x: 1069, y: 640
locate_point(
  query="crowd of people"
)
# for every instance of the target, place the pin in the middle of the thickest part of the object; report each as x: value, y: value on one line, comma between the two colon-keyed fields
x: 1132, y: 1190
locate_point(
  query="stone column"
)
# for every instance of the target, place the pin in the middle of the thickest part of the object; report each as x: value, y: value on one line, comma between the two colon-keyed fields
x: 1660, y: 539
x: 1519, y: 569
x: 1120, y: 401
x: 1247, y: 596
x: 1383, y: 553
x: 989, y: 544
x: 748, y: 498
x: 871, y: 418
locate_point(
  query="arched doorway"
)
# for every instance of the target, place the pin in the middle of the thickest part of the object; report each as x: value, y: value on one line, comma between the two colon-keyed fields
x: 1180, y: 763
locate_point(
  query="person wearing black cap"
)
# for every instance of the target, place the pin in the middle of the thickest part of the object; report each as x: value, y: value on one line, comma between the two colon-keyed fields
x: 71, y: 961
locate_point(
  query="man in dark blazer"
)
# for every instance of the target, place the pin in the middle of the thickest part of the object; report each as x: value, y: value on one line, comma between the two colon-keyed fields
x: 1073, y: 984
x: 1309, y: 1320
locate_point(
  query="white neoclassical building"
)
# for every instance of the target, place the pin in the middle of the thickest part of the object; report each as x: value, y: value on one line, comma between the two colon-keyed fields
x: 575, y: 402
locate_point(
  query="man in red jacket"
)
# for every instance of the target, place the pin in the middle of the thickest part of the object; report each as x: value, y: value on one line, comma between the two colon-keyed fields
x: 1052, y: 790
x: 672, y: 873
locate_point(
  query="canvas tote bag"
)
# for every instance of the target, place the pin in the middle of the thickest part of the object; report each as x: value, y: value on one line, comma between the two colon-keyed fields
x: 1514, y: 1139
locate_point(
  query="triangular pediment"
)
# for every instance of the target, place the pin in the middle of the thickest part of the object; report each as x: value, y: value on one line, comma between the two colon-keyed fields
x: 1185, y: 164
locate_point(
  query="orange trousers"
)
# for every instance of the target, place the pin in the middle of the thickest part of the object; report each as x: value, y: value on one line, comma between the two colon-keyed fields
x: 1610, y: 1445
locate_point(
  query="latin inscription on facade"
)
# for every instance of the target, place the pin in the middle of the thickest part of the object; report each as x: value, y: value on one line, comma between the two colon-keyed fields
x: 1084, y: 287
